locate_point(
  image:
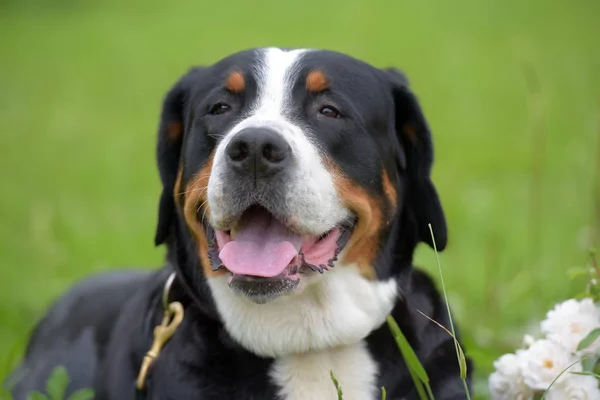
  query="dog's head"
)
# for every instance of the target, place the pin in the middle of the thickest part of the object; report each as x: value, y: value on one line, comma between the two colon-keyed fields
x: 289, y: 174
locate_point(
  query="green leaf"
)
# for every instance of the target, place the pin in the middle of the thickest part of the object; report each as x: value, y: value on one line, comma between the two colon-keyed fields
x: 418, y: 385
x: 383, y: 393
x: 415, y: 368
x: 337, y: 386
x: 587, y: 373
x: 588, y: 364
x: 459, y: 352
x: 589, y: 339
x: 407, y: 351
x: 83, y: 394
x: 57, y: 383
x: 462, y: 360
x: 36, y: 396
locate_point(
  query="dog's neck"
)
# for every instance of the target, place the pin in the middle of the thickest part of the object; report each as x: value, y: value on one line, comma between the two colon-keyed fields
x: 340, y: 309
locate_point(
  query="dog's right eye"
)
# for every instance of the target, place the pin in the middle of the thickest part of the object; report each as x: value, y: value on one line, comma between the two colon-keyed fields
x: 219, y: 108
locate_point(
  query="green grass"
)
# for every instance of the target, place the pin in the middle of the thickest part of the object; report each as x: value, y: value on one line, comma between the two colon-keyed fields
x: 511, y: 89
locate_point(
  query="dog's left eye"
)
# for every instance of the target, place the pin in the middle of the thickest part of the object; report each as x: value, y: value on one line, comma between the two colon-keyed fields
x: 219, y: 108
x: 330, y: 112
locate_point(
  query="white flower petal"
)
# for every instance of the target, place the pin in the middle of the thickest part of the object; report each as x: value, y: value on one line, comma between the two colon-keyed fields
x: 506, y: 383
x: 528, y: 340
x: 544, y: 361
x: 570, y: 322
x: 575, y: 387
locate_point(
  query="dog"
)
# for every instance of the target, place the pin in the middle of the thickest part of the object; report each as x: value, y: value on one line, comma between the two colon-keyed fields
x: 296, y: 187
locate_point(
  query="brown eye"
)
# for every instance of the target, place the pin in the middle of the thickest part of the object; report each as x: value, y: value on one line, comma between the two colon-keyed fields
x: 219, y: 108
x: 330, y: 112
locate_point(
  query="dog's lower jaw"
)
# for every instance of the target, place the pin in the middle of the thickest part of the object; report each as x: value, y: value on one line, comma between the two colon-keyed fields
x: 340, y: 309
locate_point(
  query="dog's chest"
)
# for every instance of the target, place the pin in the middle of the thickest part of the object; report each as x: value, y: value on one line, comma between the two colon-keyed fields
x: 308, y: 376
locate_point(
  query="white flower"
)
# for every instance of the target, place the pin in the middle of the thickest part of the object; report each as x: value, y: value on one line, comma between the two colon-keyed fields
x: 544, y: 361
x: 575, y: 387
x: 570, y: 322
x: 506, y: 383
x: 528, y: 340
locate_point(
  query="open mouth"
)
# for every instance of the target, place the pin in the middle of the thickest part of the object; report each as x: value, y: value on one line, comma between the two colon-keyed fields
x: 262, y: 249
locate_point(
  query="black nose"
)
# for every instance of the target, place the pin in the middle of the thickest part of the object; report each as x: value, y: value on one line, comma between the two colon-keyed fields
x: 258, y: 152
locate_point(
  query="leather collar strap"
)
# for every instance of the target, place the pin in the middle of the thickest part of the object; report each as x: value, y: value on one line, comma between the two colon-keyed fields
x: 183, y: 287
x: 173, y: 314
x: 172, y: 317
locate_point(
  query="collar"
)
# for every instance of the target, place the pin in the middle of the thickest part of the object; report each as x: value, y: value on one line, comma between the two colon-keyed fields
x: 172, y: 317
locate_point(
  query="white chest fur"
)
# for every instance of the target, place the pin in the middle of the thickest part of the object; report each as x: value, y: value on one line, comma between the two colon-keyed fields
x: 341, y: 309
x: 307, y: 376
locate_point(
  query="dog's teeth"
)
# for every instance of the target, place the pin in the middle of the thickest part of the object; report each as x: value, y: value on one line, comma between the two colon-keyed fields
x: 213, y: 257
x: 303, y: 262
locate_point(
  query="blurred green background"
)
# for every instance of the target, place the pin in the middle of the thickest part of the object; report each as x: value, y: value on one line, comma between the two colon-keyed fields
x: 511, y: 90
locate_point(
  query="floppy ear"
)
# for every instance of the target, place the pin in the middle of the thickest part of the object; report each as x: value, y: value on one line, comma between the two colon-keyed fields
x: 417, y: 145
x: 170, y: 139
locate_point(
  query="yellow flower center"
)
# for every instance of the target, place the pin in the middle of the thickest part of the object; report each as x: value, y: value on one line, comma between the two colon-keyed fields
x: 548, y: 364
x: 576, y: 327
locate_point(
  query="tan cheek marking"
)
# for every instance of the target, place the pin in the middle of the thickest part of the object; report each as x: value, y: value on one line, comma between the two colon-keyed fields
x: 389, y: 190
x: 363, y: 246
x: 235, y: 83
x: 177, y: 194
x: 316, y: 82
x: 174, y: 131
x: 193, y: 202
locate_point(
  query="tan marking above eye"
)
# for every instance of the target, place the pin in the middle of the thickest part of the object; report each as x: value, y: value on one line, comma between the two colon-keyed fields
x: 235, y: 82
x: 316, y: 82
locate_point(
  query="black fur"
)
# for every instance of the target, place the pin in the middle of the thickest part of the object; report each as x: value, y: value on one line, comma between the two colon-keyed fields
x: 422, y: 198
x: 169, y: 151
x: 101, y: 329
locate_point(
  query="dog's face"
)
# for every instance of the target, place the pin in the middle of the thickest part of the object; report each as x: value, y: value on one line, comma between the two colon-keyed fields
x: 286, y: 167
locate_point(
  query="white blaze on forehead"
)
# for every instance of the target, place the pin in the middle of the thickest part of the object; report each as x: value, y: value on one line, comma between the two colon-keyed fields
x: 275, y: 73
x: 310, y: 195
x: 276, y: 79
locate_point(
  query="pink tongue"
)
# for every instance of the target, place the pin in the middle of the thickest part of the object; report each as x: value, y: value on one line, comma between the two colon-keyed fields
x: 262, y: 247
